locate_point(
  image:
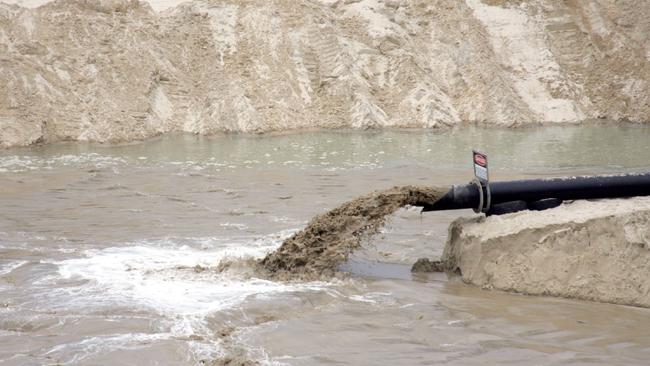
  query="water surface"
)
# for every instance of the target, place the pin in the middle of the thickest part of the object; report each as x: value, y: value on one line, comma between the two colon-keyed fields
x: 108, y: 254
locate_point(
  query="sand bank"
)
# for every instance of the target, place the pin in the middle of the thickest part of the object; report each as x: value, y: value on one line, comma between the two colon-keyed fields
x: 121, y: 70
x: 598, y: 250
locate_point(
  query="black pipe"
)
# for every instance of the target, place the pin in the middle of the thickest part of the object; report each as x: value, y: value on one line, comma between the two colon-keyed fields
x: 532, y: 190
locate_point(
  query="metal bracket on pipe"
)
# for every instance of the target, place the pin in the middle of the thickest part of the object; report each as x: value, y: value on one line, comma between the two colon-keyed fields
x: 482, y: 181
x: 488, y: 195
x: 484, y: 196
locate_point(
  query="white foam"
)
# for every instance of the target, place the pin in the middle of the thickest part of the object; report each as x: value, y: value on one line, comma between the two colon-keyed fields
x: 160, y: 276
x: 174, y: 277
x: 82, y: 350
x: 17, y: 163
x: 374, y: 298
x: 6, y: 268
x: 157, y: 278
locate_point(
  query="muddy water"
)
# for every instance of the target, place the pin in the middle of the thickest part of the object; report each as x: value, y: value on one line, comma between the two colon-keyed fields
x: 110, y: 255
x: 329, y: 240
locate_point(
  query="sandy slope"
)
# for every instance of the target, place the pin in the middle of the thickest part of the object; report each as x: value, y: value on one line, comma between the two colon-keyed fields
x: 119, y: 71
x: 157, y: 5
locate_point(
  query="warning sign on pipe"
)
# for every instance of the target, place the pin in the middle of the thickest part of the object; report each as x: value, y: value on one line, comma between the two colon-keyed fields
x: 480, y: 166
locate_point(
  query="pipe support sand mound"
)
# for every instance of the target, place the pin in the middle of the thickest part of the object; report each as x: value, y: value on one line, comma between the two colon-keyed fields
x: 598, y: 251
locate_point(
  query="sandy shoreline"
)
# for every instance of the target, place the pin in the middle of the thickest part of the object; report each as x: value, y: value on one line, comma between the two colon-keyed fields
x: 316, y: 129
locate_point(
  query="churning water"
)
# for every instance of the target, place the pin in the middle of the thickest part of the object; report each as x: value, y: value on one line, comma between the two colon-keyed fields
x: 110, y: 254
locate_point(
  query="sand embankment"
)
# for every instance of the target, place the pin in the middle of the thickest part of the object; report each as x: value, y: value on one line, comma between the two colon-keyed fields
x: 597, y: 251
x: 117, y: 70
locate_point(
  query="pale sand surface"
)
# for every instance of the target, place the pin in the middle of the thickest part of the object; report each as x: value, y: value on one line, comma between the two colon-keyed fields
x: 119, y: 71
x: 596, y: 251
x: 158, y: 5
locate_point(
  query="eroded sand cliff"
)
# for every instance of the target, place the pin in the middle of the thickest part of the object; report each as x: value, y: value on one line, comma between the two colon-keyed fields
x: 113, y: 71
x: 596, y: 251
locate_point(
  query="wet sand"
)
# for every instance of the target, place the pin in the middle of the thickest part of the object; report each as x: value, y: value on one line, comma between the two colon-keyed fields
x: 328, y: 240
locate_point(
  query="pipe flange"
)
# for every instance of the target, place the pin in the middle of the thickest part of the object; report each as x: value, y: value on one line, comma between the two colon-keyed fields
x: 478, y: 185
x: 484, y: 198
x: 488, y: 200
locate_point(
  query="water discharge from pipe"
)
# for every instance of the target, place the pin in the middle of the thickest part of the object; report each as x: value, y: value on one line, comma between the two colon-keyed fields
x: 316, y: 251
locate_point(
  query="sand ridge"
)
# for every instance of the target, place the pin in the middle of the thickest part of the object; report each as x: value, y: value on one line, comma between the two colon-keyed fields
x: 118, y: 70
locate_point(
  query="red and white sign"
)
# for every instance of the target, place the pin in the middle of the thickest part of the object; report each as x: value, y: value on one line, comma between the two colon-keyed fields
x: 480, y: 166
x: 480, y: 159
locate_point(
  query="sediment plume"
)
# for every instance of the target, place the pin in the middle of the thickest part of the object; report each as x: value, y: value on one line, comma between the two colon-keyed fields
x: 328, y: 240
x: 424, y: 265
